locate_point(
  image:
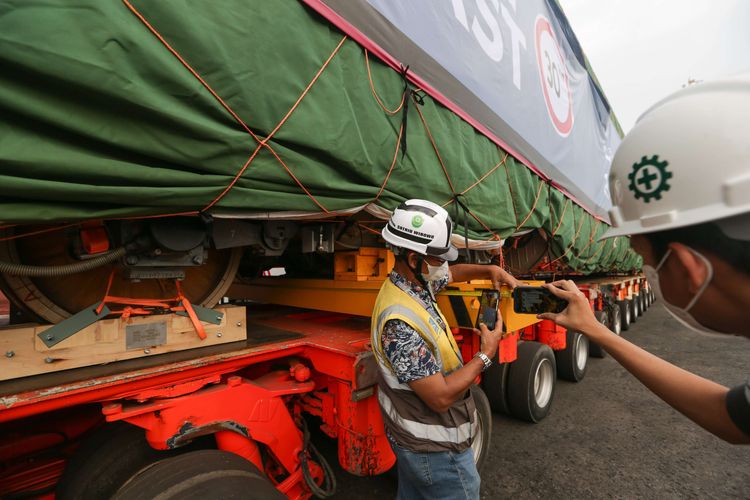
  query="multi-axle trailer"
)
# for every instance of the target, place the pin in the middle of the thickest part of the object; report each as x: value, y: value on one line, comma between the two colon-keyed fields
x: 85, y: 432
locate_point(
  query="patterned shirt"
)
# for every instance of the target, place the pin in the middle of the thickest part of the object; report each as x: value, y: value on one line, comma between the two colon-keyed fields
x: 406, y: 350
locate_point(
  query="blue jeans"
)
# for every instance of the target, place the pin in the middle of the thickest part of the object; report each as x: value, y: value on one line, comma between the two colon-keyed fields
x: 441, y: 475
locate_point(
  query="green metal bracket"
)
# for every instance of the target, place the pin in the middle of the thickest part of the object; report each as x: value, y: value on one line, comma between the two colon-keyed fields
x: 205, y: 314
x: 69, y: 327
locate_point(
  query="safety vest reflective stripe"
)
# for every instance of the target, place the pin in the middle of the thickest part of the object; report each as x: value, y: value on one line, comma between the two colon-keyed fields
x: 456, y: 435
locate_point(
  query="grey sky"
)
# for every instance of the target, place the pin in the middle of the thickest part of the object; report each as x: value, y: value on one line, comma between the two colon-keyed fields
x: 643, y: 50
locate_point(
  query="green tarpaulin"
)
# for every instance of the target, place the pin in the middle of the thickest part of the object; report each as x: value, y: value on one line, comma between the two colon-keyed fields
x: 111, y: 109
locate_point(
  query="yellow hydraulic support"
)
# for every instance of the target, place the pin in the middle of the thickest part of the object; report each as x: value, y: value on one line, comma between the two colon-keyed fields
x: 358, y: 277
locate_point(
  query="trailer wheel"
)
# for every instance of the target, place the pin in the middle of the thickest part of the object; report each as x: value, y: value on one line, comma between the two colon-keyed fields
x: 615, y: 318
x: 642, y: 301
x: 495, y: 386
x: 595, y: 350
x: 480, y: 440
x: 199, y: 475
x: 531, y: 382
x: 633, y: 310
x: 107, y: 458
x: 573, y: 360
x: 637, y: 306
x: 624, y: 314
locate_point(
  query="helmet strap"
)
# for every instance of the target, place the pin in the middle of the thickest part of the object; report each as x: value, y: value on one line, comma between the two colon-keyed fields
x: 417, y: 271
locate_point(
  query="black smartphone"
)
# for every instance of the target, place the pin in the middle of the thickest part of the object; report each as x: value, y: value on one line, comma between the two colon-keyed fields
x: 536, y: 300
x: 488, y: 304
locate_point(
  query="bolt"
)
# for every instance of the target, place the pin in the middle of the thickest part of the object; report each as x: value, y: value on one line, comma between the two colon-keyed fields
x: 218, y: 334
x: 197, y: 259
x: 239, y: 323
x: 50, y: 336
x: 157, y: 251
x: 147, y: 351
x: 48, y: 360
x: 9, y: 354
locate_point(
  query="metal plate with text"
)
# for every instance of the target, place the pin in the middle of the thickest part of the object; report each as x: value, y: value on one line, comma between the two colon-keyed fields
x: 145, y: 335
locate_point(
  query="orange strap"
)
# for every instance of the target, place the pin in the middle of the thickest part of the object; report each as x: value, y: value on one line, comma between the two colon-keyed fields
x: 180, y: 303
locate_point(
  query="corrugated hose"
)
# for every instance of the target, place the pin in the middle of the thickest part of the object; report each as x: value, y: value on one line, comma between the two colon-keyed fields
x: 15, y: 269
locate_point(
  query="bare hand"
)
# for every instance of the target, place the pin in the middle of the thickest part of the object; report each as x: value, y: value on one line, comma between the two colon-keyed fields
x: 490, y: 339
x: 499, y: 276
x: 578, y: 316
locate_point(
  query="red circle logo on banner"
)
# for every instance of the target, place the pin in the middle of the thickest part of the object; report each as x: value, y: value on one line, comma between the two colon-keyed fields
x: 553, y: 75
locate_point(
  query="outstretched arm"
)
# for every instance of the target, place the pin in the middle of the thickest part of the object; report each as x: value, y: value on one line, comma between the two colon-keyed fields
x: 496, y: 274
x: 699, y: 399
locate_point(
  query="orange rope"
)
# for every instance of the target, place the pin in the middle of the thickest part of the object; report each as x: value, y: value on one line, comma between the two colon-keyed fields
x: 447, y: 176
x: 261, y: 143
x: 591, y: 240
x: 538, y: 194
x: 565, y: 207
x: 601, y: 247
x: 434, y: 147
x: 189, y: 68
x: 264, y: 142
x: 575, y: 237
x: 375, y: 94
x: 610, y: 250
x: 366, y: 228
x: 393, y: 164
x: 41, y: 231
x: 510, y: 190
x: 502, y: 162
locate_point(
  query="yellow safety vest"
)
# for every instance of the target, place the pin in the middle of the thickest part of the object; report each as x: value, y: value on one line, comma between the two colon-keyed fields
x: 407, y: 418
x: 394, y: 303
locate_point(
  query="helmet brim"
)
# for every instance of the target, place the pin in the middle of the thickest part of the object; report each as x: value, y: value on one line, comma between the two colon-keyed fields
x: 449, y: 255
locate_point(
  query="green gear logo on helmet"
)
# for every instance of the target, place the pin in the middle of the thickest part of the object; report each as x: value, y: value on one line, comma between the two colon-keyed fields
x: 417, y: 221
x: 649, y: 178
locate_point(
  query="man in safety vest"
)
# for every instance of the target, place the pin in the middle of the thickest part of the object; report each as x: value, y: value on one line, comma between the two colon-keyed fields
x: 680, y: 183
x: 428, y: 411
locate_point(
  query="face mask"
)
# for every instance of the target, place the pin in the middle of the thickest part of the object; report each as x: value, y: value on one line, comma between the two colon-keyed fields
x: 681, y: 314
x: 435, y: 273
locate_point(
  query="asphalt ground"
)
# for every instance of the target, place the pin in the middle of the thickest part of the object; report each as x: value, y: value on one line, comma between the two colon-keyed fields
x: 608, y: 436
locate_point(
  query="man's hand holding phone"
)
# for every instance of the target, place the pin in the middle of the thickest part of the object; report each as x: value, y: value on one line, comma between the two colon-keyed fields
x: 490, y: 339
x: 489, y: 322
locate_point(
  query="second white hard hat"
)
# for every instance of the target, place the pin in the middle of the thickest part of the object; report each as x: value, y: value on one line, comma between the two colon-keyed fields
x: 686, y: 161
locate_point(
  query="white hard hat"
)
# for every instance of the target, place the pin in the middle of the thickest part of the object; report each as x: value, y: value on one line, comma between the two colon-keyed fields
x: 686, y: 161
x: 422, y: 226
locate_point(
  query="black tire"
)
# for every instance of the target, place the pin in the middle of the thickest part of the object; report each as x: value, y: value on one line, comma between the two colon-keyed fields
x: 625, y: 316
x: 531, y: 382
x: 642, y: 298
x: 495, y: 386
x: 483, y: 436
x: 632, y: 305
x: 573, y: 360
x: 199, y: 475
x: 615, y: 318
x: 595, y: 350
x: 105, y: 460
